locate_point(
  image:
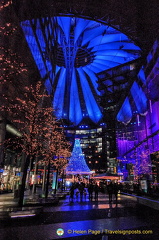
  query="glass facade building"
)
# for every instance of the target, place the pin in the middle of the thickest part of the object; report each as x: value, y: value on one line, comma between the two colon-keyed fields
x: 138, y: 140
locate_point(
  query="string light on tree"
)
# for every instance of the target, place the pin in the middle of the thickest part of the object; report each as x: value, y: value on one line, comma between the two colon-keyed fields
x: 40, y: 134
x: 5, y: 4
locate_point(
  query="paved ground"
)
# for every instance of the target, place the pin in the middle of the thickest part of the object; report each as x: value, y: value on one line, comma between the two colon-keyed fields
x: 86, y: 220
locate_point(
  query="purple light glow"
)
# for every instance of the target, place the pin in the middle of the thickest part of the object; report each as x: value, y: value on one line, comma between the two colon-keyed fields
x: 138, y: 141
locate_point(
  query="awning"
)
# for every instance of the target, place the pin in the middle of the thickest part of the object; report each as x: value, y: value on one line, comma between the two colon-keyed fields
x: 79, y: 172
x: 107, y: 176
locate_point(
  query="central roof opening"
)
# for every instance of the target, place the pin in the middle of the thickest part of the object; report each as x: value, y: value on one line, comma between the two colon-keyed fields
x: 83, y: 56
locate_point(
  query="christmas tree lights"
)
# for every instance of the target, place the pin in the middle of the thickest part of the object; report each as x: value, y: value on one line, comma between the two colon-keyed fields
x: 77, y: 163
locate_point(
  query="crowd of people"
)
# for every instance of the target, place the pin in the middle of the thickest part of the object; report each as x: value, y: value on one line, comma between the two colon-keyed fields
x: 79, y: 191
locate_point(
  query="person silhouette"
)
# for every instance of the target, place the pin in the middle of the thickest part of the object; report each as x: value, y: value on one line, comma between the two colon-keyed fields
x: 96, y: 190
x: 71, y: 193
x: 115, y: 191
x: 110, y: 191
x: 81, y: 191
x: 90, y: 191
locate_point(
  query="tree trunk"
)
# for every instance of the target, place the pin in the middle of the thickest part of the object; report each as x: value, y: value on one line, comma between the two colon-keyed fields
x: 56, y: 182
x: 63, y: 181
x: 22, y: 185
x: 47, y: 182
x: 35, y: 176
x: 44, y: 177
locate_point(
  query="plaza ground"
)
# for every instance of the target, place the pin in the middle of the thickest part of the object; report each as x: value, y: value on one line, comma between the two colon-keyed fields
x: 83, y: 220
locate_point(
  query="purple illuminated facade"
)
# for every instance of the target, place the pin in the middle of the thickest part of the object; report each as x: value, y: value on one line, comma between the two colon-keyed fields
x: 138, y: 139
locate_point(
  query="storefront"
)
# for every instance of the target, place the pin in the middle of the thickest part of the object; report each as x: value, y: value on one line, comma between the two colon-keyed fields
x: 9, y: 179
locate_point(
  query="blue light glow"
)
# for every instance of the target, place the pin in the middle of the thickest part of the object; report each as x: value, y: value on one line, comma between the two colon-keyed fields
x: 77, y: 163
x: 69, y: 52
x: 141, y: 76
x: 139, y: 98
x: 125, y: 113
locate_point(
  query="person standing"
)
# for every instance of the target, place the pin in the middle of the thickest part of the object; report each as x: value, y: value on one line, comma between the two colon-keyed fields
x: 115, y: 191
x: 71, y: 193
x: 85, y: 194
x: 77, y: 194
x: 96, y: 190
x: 81, y: 190
x: 110, y: 191
x: 90, y: 191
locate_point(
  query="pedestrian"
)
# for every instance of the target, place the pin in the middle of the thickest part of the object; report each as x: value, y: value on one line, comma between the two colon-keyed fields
x: 96, y: 190
x: 85, y: 194
x: 71, y: 193
x: 115, y: 191
x: 81, y: 190
x: 90, y: 191
x: 30, y: 187
x: 110, y: 191
x: 77, y: 194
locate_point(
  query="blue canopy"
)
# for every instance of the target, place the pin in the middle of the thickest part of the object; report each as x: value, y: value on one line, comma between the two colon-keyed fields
x: 69, y: 52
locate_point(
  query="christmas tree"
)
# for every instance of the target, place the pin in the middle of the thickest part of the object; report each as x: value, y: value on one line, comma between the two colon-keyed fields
x: 77, y: 163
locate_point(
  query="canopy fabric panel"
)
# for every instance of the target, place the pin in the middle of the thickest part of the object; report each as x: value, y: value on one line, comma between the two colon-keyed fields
x: 139, y: 98
x: 125, y: 113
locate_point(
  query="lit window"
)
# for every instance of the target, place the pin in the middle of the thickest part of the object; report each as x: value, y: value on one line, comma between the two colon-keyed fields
x: 99, y: 130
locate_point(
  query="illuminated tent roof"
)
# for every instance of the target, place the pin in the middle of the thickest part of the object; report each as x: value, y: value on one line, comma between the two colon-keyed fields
x: 138, y: 100
x: 69, y: 52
